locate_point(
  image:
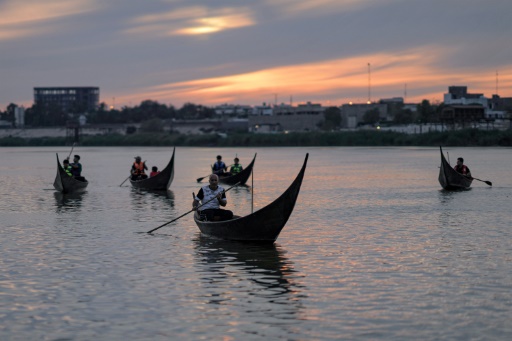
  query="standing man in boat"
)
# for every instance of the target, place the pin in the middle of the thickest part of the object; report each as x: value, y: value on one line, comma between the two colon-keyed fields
x: 138, y: 169
x: 76, y: 168
x: 462, y: 168
x: 212, y: 197
x: 236, y: 167
x: 219, y: 167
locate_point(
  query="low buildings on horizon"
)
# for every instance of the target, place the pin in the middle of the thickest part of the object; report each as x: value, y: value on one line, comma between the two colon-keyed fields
x: 459, y: 106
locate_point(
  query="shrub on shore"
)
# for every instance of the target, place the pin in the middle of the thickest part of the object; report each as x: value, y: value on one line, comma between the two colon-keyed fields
x: 466, y: 137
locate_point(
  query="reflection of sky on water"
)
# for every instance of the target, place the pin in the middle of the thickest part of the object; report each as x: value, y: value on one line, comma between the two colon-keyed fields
x: 374, y: 249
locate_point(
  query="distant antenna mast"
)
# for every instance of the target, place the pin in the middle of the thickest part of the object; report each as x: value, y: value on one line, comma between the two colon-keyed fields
x: 369, y: 85
x: 291, y: 100
x: 405, y: 93
x: 496, y: 82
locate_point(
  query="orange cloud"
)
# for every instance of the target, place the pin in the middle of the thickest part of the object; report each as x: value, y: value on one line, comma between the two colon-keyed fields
x: 216, y: 24
x: 334, y: 81
x: 24, y: 18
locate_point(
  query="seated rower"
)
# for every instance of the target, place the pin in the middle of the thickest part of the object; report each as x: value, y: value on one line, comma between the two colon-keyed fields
x: 154, y: 171
x: 66, y: 167
x: 76, y: 168
x: 138, y: 169
x: 212, y: 197
x: 236, y: 167
x: 462, y: 168
x: 219, y: 167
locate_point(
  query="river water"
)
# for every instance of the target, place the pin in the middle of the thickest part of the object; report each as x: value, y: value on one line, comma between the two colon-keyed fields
x: 374, y: 249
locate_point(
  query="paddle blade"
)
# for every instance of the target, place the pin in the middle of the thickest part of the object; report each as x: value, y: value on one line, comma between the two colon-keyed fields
x: 200, y: 179
x: 488, y: 182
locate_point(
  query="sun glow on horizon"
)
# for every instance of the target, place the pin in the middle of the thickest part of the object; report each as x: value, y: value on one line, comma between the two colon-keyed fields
x: 332, y: 81
x: 337, y: 81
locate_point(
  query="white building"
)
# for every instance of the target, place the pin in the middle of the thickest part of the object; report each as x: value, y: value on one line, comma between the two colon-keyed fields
x: 19, y: 117
x: 232, y: 110
x: 458, y: 95
x: 264, y: 109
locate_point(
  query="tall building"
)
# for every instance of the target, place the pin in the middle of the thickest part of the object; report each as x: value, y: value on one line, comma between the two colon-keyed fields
x: 69, y: 99
x: 460, y: 95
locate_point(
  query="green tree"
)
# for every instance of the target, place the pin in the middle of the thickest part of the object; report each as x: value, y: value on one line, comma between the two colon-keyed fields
x: 188, y: 111
x: 426, y: 112
x: 332, y: 118
x: 9, y: 113
x: 404, y: 116
x: 372, y: 116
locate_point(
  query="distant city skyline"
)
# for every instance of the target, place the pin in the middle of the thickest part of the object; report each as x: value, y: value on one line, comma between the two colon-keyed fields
x: 276, y: 51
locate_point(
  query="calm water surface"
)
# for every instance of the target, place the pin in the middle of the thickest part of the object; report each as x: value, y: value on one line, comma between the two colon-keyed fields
x: 374, y: 249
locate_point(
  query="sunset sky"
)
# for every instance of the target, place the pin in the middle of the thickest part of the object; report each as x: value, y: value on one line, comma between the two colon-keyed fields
x: 254, y: 51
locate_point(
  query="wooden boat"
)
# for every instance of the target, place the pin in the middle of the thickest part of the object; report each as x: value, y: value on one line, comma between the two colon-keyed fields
x: 241, y: 177
x: 263, y: 225
x: 449, y: 178
x: 159, y: 182
x: 67, y: 184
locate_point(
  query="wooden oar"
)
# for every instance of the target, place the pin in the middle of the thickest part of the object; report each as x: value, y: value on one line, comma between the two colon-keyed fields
x: 201, y: 179
x: 487, y: 182
x: 72, y: 147
x: 192, y: 210
x: 125, y: 180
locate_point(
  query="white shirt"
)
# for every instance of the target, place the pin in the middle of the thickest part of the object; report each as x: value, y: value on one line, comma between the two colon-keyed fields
x: 208, y: 194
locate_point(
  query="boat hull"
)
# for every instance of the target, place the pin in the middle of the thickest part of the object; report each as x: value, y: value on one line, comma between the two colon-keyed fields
x: 264, y: 225
x: 67, y: 184
x: 160, y: 182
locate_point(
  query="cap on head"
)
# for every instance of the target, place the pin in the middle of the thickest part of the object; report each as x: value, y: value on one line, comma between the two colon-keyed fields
x: 460, y: 159
x: 77, y: 157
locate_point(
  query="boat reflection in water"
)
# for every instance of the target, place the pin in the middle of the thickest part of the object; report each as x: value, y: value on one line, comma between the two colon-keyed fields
x: 64, y: 201
x: 256, y: 280
x: 153, y: 199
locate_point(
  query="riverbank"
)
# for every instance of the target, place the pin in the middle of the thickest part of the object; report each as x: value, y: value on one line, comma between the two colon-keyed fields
x: 466, y: 137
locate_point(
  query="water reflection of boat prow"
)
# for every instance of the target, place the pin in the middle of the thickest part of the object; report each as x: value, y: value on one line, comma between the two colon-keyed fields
x: 143, y: 197
x: 165, y: 194
x: 69, y: 199
x: 261, y: 258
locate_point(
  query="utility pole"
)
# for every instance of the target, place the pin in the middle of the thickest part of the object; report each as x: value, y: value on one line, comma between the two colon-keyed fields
x: 405, y: 92
x: 496, y: 82
x: 369, y: 85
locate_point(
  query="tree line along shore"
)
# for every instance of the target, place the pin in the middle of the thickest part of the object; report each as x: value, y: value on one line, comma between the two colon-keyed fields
x: 461, y: 138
